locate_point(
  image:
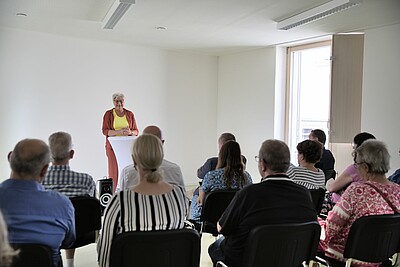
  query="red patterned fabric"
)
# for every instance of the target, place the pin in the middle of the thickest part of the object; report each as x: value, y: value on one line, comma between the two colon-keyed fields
x: 357, y: 201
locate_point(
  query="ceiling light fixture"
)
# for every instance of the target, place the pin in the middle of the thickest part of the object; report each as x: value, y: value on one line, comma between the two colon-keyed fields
x: 316, y: 13
x: 160, y: 28
x: 117, y: 10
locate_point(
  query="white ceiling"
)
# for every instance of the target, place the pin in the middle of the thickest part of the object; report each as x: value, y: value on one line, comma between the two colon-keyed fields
x: 213, y: 27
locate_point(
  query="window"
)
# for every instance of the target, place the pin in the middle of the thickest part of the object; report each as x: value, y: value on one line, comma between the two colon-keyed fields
x: 308, y: 95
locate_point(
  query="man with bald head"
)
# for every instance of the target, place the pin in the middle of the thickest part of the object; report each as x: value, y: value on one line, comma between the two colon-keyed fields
x: 32, y: 214
x: 171, y: 172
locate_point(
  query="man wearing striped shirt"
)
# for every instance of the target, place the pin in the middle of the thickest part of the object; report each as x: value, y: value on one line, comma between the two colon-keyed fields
x: 62, y: 179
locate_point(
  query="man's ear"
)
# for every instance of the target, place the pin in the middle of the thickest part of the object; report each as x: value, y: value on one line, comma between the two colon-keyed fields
x: 263, y: 166
x: 71, y: 154
x: 43, y: 172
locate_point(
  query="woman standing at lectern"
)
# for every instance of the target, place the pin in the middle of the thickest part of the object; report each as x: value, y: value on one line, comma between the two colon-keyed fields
x: 117, y: 121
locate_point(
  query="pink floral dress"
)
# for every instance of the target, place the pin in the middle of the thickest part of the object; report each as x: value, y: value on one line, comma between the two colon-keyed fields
x: 357, y: 201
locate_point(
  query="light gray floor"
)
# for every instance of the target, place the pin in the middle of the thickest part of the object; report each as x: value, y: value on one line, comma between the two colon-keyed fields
x: 87, y: 256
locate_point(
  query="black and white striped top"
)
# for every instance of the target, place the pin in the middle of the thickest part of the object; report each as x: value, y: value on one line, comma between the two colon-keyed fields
x: 131, y: 211
x: 306, y: 178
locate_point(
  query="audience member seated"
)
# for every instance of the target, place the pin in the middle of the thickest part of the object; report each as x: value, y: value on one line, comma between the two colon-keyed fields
x: 306, y: 174
x: 211, y: 163
x: 229, y: 174
x: 276, y: 200
x: 369, y: 197
x: 395, y: 177
x: 350, y: 174
x: 327, y: 161
x: 7, y: 253
x: 150, y: 205
x: 172, y: 172
x: 62, y: 179
x: 33, y: 214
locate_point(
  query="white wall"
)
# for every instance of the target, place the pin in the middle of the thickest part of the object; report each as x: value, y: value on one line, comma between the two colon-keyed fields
x: 381, y: 88
x: 246, y: 95
x: 50, y: 83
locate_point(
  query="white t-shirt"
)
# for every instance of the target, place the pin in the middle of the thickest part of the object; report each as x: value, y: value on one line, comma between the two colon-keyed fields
x: 170, y: 171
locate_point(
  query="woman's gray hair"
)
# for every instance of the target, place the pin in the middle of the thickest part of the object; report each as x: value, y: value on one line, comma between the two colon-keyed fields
x: 6, y: 251
x: 118, y: 95
x: 148, y: 154
x: 60, y: 145
x: 375, y: 154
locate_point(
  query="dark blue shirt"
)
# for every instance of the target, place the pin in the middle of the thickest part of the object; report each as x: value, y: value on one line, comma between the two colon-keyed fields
x: 395, y: 177
x: 34, y: 215
x: 327, y: 161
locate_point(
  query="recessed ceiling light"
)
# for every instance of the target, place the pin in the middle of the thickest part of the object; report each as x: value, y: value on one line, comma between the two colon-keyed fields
x: 161, y: 28
x: 21, y: 14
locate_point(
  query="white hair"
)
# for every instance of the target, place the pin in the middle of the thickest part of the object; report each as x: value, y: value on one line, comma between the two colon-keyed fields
x: 6, y: 251
x: 118, y: 95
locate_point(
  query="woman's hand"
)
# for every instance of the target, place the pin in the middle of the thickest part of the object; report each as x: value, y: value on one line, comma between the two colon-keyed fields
x: 126, y: 131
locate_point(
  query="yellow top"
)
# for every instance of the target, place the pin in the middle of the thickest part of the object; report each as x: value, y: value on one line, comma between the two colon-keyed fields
x: 119, y: 122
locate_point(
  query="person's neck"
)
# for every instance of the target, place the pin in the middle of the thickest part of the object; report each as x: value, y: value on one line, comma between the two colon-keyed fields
x: 378, y: 178
x: 148, y: 188
x: 60, y: 162
x: 120, y: 113
x: 308, y: 166
x: 26, y: 177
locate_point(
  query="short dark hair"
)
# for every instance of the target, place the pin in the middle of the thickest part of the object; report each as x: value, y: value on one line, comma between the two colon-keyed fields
x: 320, y: 135
x: 225, y: 137
x: 362, y: 137
x: 311, y: 150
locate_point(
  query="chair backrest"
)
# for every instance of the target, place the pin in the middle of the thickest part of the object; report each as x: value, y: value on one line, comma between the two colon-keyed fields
x: 284, y: 245
x: 87, y: 220
x: 173, y: 248
x: 214, y: 204
x: 373, y: 238
x: 32, y: 255
x: 318, y: 196
x: 330, y: 174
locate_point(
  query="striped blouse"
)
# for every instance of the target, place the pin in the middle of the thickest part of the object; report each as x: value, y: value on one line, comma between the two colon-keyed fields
x: 132, y: 211
x: 306, y: 178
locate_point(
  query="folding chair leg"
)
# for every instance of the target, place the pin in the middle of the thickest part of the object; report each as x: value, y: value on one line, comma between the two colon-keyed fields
x: 221, y: 264
x: 395, y: 260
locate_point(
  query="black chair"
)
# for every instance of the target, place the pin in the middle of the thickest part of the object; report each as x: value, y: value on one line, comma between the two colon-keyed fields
x: 214, y: 204
x: 329, y: 174
x: 374, y: 238
x: 33, y: 255
x: 318, y: 196
x: 87, y: 220
x: 283, y: 245
x: 173, y: 248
